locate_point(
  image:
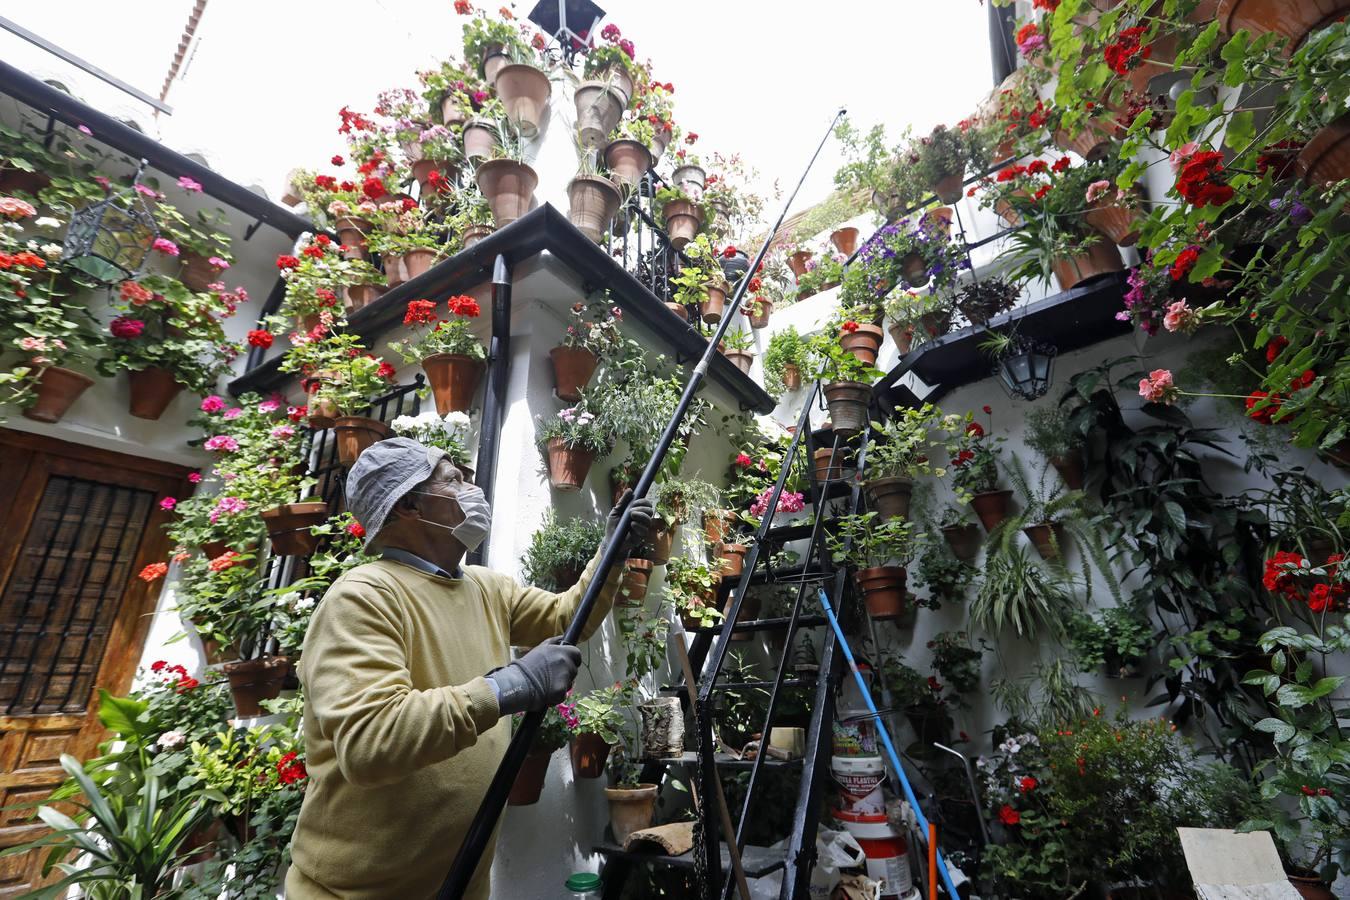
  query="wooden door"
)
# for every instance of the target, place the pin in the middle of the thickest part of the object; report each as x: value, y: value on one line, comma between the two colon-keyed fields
x: 77, y: 524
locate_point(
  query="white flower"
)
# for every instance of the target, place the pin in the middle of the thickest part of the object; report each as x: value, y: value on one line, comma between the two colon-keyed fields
x: 47, y: 222
x: 403, y: 424
x: 302, y: 604
x: 171, y: 740
x: 51, y: 251
x: 1010, y: 747
x: 456, y: 421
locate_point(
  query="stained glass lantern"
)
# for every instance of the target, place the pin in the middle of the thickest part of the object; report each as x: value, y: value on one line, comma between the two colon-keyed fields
x: 110, y: 240
x: 1025, y: 368
x: 572, y: 23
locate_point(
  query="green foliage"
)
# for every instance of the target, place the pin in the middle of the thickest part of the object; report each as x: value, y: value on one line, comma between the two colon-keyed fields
x: 558, y: 548
x: 946, y: 577
x: 1117, y: 638
x: 863, y: 542
x: 957, y: 661
x: 600, y: 712
x: 1018, y: 592
x: 906, y: 444
x: 786, y: 348
x: 692, y: 585
x: 1048, y: 432
x: 578, y: 428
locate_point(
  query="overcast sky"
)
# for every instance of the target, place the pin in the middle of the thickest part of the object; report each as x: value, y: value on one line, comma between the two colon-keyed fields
x: 260, y: 92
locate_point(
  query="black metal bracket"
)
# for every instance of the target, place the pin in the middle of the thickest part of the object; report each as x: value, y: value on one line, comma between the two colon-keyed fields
x: 252, y: 229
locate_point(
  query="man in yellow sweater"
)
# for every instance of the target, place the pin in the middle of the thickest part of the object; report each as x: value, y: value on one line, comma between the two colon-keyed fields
x: 408, y: 673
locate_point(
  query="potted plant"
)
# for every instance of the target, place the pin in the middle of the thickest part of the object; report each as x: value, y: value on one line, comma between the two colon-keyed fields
x: 962, y: 535
x: 612, y: 64
x: 701, y: 282
x: 482, y: 134
x: 957, y: 661
x: 680, y: 216
x: 1049, y: 434
x: 449, y: 433
x: 921, y: 252
x: 506, y: 182
x: 49, y: 333
x: 784, y: 360
x: 737, y: 349
x: 692, y: 587
x: 878, y: 552
x: 876, y: 170
x: 848, y: 382
x: 1116, y: 641
x: 560, y: 723
x: 941, y: 158
x: 573, y: 439
x: 592, y: 335
x: 759, y: 309
x: 901, y: 450
x: 628, y: 157
x: 472, y: 217
x: 731, y: 555
x: 947, y: 576
x: 559, y: 552
x: 821, y: 275
x: 845, y: 240
x: 447, y: 350
x: 593, y: 199
x: 975, y: 475
x: 314, y: 280
x: 979, y: 301
x: 637, y: 573
x: 632, y: 804
x: 351, y: 378
x: 492, y: 44
x: 289, y: 525
x: 600, y: 726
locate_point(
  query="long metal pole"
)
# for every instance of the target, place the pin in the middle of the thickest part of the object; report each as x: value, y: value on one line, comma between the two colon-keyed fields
x: 490, y: 810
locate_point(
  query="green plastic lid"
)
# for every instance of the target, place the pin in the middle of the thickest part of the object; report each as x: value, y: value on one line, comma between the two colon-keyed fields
x: 584, y: 881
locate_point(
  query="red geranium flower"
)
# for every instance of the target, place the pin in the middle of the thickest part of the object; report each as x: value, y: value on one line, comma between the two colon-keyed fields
x: 464, y: 7
x: 850, y: 326
x: 975, y: 429
x: 1301, y: 381
x: 356, y: 529
x: 1038, y: 166
x: 1200, y: 181
x: 730, y: 250
x: 150, y: 573
x: 1027, y: 784
x: 286, y: 261
x: 1275, y: 347
x: 464, y: 305
x: 1061, y: 164
x: 337, y: 160
x: 386, y: 369
x: 743, y: 460
x: 260, y: 338
x: 1009, y: 816
x: 1185, y: 261
x: 420, y: 312
x: 373, y: 188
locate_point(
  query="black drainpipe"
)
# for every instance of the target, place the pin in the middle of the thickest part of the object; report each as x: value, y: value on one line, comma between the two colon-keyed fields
x: 494, y: 394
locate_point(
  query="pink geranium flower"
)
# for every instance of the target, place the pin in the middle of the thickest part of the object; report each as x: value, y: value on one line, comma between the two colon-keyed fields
x: 212, y: 404
x: 190, y: 185
x: 165, y: 246
x: 1158, y: 387
x: 222, y: 442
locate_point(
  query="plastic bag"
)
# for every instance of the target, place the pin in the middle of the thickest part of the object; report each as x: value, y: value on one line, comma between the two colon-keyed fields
x: 835, y: 850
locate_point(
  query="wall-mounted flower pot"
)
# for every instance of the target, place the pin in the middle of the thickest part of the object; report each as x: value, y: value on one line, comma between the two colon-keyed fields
x: 394, y: 273
x: 742, y: 359
x: 630, y: 810
x: 716, y: 524
x: 940, y: 219
x: 633, y: 588
x: 589, y: 753
x: 475, y: 233
x: 792, y: 377
x: 202, y: 844
x: 628, y: 161
x: 693, y: 179
x: 417, y: 262
x: 678, y: 310
x: 732, y: 558
x: 197, y: 272
x: 356, y: 433
x: 1325, y: 159
x: 1045, y: 537
x: 524, y: 92
x: 713, y: 303
x: 1119, y: 223
x: 890, y: 497
x: 1099, y: 259
x: 1006, y: 212
x: 964, y: 541
x: 452, y: 113
x: 883, y: 590
x: 592, y: 202
x: 660, y: 141
x: 454, y: 380
x: 847, y: 402
x: 682, y: 220
x: 1070, y: 469
x: 830, y: 464
x: 618, y: 78
x: 948, y: 187
x: 797, y: 262
x: 864, y: 342
x: 289, y: 524
x: 1090, y: 142
x: 760, y: 317
x: 662, y: 732
x: 1295, y: 19
x: 845, y: 240
x: 152, y: 390
x: 351, y: 232
x: 422, y: 169
x: 322, y: 413
x: 253, y: 681
x: 914, y: 270
x: 494, y: 59
x: 660, y: 542
x: 508, y: 187
x: 480, y: 139
x: 991, y: 507
x: 572, y: 370
x: 57, y: 389
x: 903, y: 335
x: 599, y: 108
x: 568, y: 466
x: 529, y: 783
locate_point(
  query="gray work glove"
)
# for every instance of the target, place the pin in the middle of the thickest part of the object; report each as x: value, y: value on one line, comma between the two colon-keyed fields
x: 537, y: 680
x: 640, y: 528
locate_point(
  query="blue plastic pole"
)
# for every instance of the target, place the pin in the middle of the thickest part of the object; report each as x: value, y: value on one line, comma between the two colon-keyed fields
x: 886, y: 740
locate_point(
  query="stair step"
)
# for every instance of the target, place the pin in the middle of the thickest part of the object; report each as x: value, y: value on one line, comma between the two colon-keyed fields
x: 788, y: 575
x: 690, y: 758
x: 757, y: 861
x: 766, y: 624
x: 678, y: 690
x: 793, y: 532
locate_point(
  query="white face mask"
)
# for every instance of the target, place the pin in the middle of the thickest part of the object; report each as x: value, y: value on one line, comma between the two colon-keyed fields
x: 477, y: 516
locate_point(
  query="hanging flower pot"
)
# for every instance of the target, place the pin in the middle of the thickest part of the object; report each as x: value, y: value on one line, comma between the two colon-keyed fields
x: 991, y: 507
x: 508, y: 187
x: 847, y: 402
x: 572, y: 370
x: 742, y: 359
x: 631, y: 809
x: 883, y: 590
x: 792, y: 377
x: 628, y: 161
x: 1045, y: 537
x: 682, y: 222
x: 253, y: 681
x: 948, y: 187
x: 1294, y: 19
x: 418, y: 262
x: 568, y: 466
x: 475, y: 233
x: 1119, y: 223
x: 599, y: 108
x: 454, y: 380
x: 830, y: 465
x: 592, y: 202
x: 936, y: 324
x: 452, y: 113
x: 914, y: 270
x: 197, y: 272
x: 356, y: 296
x: 57, y: 390
x: 660, y: 542
x: 495, y: 58
x: 354, y: 434
x: 678, y: 310
x: 732, y: 557
x: 152, y: 390
x: 480, y: 139
x: 845, y: 240
x: 890, y: 497
x: 1070, y: 468
x: 1099, y: 259
x: 713, y: 302
x: 524, y: 92
x: 394, y: 273
x: 202, y: 844
x: 903, y: 335
x: 529, y: 783
x: 964, y: 540
x: 659, y: 143
x: 797, y: 262
x: 589, y: 753
x: 1006, y: 212
x: 940, y: 220
x: 761, y: 310
x: 633, y: 589
x: 289, y: 524
x: 691, y: 178
x: 1325, y: 159
x: 749, y: 613
x: 863, y: 341
x: 716, y: 523
x: 351, y: 232
x: 662, y: 732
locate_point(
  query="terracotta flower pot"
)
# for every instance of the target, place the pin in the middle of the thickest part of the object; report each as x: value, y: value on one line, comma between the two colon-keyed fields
x: 948, y: 188
x: 1310, y: 887
x: 890, y: 497
x: 683, y: 221
x: 57, y: 390
x: 628, y: 161
x: 660, y: 544
x: 830, y: 466
x: 760, y: 318
x: 197, y: 272
x: 1295, y: 19
x: 289, y: 526
x: 599, y: 108
x: 480, y: 140
x: 508, y: 187
x: 797, y: 262
x: 940, y: 219
x: 1099, y: 259
x: 630, y: 810
x: 991, y: 507
x: 864, y: 342
x: 1090, y: 142
x: 883, y: 590
x: 847, y: 402
x: 1070, y: 469
x: 716, y: 524
x: 914, y: 270
x: 152, y: 390
x: 354, y: 434
x: 351, y: 232
x: 964, y: 541
x: 1006, y: 212
x: 633, y: 589
x: 903, y: 335
x: 845, y: 240
x: 494, y: 60
x: 1045, y: 538
x: 589, y: 753
x: 714, y: 301
x: 792, y: 377
x: 568, y: 466
x: 678, y: 310
x: 1119, y: 223
x: 451, y: 112
x: 659, y: 143
x: 454, y: 380
x: 693, y: 178
x: 394, y: 273
x: 572, y: 370
x: 475, y: 233
x: 529, y: 783
x: 417, y: 262
x: 592, y: 203
x: 732, y: 557
x: 421, y: 172
x: 255, y: 680
x: 356, y: 296
x: 742, y: 359
x: 1325, y: 159
x: 524, y: 92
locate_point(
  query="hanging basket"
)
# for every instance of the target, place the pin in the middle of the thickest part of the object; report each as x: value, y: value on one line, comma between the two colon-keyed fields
x: 480, y: 140
x: 454, y: 380
x: 660, y: 543
x: 948, y: 188
x: 964, y: 541
x: 991, y: 507
x: 633, y: 589
x: 760, y: 318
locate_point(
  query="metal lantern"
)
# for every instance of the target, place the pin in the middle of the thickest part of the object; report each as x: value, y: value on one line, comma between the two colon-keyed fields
x: 1025, y: 368
x: 571, y: 22
x: 110, y: 240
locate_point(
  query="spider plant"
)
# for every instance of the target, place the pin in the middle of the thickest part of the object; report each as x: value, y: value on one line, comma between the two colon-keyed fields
x: 1019, y: 592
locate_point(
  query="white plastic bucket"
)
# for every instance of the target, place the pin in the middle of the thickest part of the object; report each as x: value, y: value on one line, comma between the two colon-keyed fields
x: 860, y: 780
x: 886, y: 851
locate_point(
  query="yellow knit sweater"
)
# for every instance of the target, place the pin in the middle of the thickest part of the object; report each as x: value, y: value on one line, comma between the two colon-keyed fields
x: 401, y: 729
